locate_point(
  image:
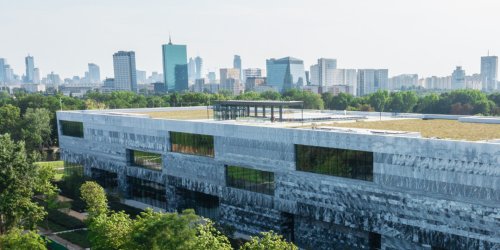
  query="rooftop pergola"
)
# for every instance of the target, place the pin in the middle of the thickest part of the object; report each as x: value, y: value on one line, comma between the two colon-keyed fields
x: 232, y: 109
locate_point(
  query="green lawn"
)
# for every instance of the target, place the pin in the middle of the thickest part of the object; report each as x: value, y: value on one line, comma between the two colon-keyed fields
x: 57, y: 165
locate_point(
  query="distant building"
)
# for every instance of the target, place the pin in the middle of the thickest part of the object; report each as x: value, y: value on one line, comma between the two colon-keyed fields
x: 175, y: 71
x: 474, y: 82
x: 30, y: 68
x: 94, y: 73
x: 322, y: 72
x: 191, y: 70
x: 33, y: 88
x: 125, y: 71
x: 345, y: 77
x: 252, y: 83
x: 251, y: 72
x: 285, y: 73
x: 212, y: 78
x: 438, y: 83
x: 489, y: 73
x: 372, y: 80
x: 108, y: 85
x: 198, y: 86
x: 36, y: 76
x: 230, y: 80
x: 458, y: 78
x: 198, y: 62
x: 226, y: 74
x: 237, y: 64
x: 141, y: 76
x: 2, y: 71
x: 337, y: 89
x: 403, y: 81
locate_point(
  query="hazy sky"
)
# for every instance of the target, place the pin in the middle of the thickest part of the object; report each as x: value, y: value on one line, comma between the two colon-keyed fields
x: 428, y: 37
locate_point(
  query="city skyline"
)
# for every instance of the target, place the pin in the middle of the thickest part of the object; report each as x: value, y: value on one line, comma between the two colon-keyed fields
x: 421, y: 33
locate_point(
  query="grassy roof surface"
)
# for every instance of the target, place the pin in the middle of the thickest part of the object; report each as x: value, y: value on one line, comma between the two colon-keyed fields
x: 444, y: 129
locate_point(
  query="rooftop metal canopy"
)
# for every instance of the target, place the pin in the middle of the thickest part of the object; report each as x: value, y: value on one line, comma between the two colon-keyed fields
x: 233, y: 109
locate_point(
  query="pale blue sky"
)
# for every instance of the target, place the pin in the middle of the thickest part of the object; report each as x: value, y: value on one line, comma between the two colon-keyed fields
x: 428, y: 37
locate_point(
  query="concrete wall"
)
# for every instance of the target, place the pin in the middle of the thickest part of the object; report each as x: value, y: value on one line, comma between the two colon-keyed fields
x: 426, y: 192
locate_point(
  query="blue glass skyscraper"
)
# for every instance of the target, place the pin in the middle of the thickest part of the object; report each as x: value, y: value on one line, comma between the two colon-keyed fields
x: 285, y: 73
x: 175, y: 69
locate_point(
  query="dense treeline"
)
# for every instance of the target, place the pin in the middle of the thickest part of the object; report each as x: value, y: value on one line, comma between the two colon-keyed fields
x: 31, y: 117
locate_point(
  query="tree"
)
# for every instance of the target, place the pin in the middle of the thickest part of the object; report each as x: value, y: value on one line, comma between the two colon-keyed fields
x: 15, y: 239
x: 36, y: 129
x: 208, y: 237
x: 268, y: 240
x: 311, y: 100
x: 10, y: 117
x: 95, y: 197
x: 270, y: 95
x: 109, y: 232
x: 153, y: 230
x: 20, y: 180
x: 378, y: 100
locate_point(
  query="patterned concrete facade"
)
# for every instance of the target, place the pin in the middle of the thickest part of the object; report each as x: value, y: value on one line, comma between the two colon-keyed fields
x: 426, y: 193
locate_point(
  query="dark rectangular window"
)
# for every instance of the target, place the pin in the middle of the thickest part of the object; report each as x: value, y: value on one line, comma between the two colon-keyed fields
x: 148, y: 192
x: 145, y: 160
x: 108, y: 180
x: 194, y: 144
x: 346, y: 163
x: 250, y: 179
x: 69, y: 128
x: 203, y: 204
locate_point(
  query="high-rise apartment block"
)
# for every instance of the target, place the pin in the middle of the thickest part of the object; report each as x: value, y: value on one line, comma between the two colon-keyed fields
x: 404, y: 81
x: 198, y: 62
x: 30, y: 69
x: 372, y: 80
x: 125, y: 71
x: 237, y: 64
x: 2, y: 71
x: 489, y: 73
x: 94, y: 73
x: 458, y: 78
x: 175, y: 69
x: 345, y: 77
x: 285, y: 73
x: 322, y: 72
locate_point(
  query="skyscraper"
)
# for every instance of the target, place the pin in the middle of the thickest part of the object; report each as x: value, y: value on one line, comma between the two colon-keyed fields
x: 285, y: 73
x: 191, y: 70
x: 372, y: 80
x: 198, y: 61
x: 458, y: 78
x: 36, y: 76
x: 489, y: 72
x: 237, y: 63
x: 125, y: 71
x: 347, y: 77
x: 323, y: 71
x: 175, y: 70
x: 230, y: 81
x: 2, y: 71
x: 251, y: 72
x: 30, y: 68
x: 94, y: 73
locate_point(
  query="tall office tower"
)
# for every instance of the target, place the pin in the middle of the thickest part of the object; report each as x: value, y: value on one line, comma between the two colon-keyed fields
x: 191, y: 70
x: 141, y: 76
x: 322, y: 72
x: 489, y: 73
x: 175, y: 72
x: 251, y: 72
x: 212, y: 78
x: 30, y: 68
x: 458, y: 78
x: 94, y: 73
x: 237, y: 64
x: 53, y: 80
x: 2, y: 71
x: 403, y: 81
x: 314, y: 74
x: 9, y: 73
x: 198, y: 61
x: 285, y: 73
x: 372, y: 80
x: 230, y: 81
x: 347, y: 77
x: 36, y: 76
x: 125, y: 71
